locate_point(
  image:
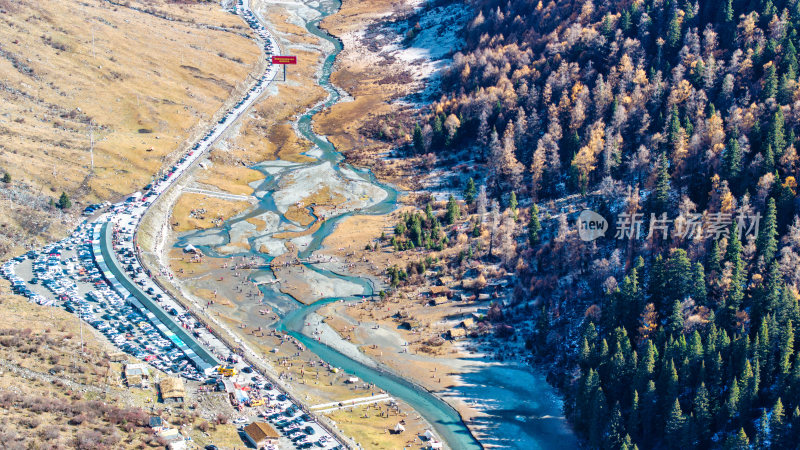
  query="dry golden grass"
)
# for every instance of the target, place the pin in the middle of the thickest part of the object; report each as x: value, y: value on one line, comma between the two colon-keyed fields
x: 372, y: 431
x: 217, y: 210
x: 233, y: 179
x: 260, y: 224
x: 208, y: 294
x: 298, y: 215
x: 324, y: 197
x: 353, y: 233
x: 139, y: 83
x: 296, y: 234
x: 63, y: 394
x: 223, y: 436
x: 266, y: 134
x: 372, y: 86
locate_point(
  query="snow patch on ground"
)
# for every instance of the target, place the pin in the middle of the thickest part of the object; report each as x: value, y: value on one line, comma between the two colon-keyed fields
x: 438, y: 35
x: 424, y: 56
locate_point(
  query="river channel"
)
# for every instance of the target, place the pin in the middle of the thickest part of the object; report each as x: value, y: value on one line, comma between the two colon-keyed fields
x: 507, y: 425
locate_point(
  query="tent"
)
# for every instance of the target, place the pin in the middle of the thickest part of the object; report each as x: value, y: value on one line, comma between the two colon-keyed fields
x: 241, y: 397
x: 399, y: 428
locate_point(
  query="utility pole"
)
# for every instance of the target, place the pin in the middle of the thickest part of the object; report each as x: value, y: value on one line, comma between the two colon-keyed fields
x: 80, y: 321
x: 91, y: 145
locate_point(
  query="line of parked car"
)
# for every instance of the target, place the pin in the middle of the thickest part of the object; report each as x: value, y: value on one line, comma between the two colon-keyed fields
x: 69, y: 270
x: 288, y: 418
x: 251, y: 20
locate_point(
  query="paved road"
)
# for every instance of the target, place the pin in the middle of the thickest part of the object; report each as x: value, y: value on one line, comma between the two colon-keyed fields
x: 129, y: 222
x: 222, y: 195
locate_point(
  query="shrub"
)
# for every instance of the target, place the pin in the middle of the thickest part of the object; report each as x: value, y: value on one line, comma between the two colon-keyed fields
x: 31, y: 422
x: 50, y: 433
x: 88, y: 439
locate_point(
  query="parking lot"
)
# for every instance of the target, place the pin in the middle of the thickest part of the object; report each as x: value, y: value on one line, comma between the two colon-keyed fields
x: 108, y: 289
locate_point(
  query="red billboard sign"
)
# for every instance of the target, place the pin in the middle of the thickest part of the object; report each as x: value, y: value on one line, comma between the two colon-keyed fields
x: 284, y: 59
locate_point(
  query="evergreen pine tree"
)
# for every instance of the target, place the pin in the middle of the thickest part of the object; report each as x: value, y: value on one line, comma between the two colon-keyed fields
x: 534, y: 226
x: 668, y: 383
x: 736, y: 289
x: 767, y: 242
x: 419, y: 141
x: 470, y: 192
x: 734, y: 400
x: 583, y: 401
x: 615, y: 430
x: 660, y: 199
x: 762, y: 432
x: 737, y: 441
x: 713, y: 260
x: 453, y: 211
x: 702, y: 412
x: 675, y: 325
x: 699, y: 293
x: 674, y: 425
x: 646, y: 366
x: 627, y: 444
x: 649, y: 409
x: 674, y: 29
x: 770, y: 83
x: 733, y: 160
x: 777, y: 425
x: 674, y: 127
x: 768, y: 297
x: 786, y: 352
x: 438, y: 130
x: 597, y: 418
x: 695, y: 352
x: 785, y: 90
x: 657, y: 282
x: 748, y: 386
x: 585, y: 353
x: 630, y: 301
x: 776, y: 134
x: 789, y: 59
x: 769, y: 159
x: 63, y: 201
x: 634, y: 417
x: 727, y: 12
x: 679, y: 275
x: 763, y: 349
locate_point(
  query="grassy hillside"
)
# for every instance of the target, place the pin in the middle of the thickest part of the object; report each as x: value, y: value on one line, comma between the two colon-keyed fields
x: 53, y: 396
x: 60, y: 389
x: 138, y: 79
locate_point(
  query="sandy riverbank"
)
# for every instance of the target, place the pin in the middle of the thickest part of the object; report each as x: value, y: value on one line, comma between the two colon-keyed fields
x: 480, y: 388
x: 227, y: 293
